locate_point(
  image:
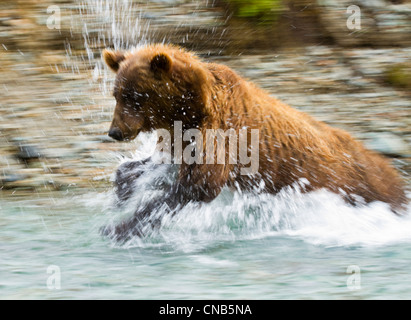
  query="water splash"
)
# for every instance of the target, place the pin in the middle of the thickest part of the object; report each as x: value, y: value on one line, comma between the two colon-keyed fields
x: 319, y: 218
x: 112, y: 23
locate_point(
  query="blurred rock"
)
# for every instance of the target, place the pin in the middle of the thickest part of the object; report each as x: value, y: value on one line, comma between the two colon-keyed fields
x: 382, y: 22
x: 388, y: 143
x: 12, y: 177
x: 28, y: 153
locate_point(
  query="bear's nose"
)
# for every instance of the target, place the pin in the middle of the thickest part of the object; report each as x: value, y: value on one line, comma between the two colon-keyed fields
x: 116, y: 134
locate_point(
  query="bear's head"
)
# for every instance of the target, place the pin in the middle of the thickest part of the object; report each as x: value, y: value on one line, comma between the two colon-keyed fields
x: 155, y: 86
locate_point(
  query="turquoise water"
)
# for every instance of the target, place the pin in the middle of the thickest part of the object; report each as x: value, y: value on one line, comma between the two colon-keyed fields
x: 291, y: 246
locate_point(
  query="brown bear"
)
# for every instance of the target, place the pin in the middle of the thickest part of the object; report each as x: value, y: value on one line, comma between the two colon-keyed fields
x: 158, y: 86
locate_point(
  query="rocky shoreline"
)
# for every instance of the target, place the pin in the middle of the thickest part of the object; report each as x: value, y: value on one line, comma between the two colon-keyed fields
x: 56, y: 105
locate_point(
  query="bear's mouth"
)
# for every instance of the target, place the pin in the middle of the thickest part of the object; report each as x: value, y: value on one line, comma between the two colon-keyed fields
x: 132, y: 136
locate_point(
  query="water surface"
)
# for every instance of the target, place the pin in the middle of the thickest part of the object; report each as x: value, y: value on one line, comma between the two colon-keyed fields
x: 289, y: 246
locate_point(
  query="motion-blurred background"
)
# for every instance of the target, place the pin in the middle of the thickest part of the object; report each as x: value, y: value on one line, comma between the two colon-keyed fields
x: 348, y: 66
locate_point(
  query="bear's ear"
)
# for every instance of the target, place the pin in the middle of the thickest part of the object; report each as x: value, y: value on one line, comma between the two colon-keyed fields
x: 113, y: 59
x: 161, y: 63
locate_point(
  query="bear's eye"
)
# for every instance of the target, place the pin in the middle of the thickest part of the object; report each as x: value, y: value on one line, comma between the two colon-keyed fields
x: 133, y: 99
x: 127, y: 95
x: 131, y: 95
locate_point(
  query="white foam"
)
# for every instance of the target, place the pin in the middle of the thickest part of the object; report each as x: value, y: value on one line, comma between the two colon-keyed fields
x: 320, y: 218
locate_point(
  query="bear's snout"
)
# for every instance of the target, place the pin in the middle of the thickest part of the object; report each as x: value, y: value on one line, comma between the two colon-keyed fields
x: 116, y: 134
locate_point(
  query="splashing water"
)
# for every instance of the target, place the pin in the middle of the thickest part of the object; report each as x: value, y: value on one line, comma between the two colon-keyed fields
x: 115, y: 23
x: 320, y: 218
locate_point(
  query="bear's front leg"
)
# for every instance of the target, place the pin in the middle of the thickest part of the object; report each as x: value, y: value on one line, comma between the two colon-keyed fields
x: 196, y: 183
x: 135, y: 177
x: 126, y: 175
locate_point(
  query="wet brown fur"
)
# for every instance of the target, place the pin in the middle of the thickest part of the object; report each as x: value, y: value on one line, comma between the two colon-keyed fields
x: 158, y: 84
